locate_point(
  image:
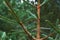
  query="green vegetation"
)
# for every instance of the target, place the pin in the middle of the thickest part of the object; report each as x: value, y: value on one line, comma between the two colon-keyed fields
x: 18, y: 20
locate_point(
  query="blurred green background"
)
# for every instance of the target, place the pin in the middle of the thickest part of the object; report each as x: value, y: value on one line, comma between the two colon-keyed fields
x: 27, y: 13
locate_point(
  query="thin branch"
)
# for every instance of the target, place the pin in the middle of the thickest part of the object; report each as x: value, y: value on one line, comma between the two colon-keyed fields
x: 38, y: 20
x: 17, y: 19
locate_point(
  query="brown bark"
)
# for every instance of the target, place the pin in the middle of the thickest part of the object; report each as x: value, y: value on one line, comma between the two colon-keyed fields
x: 38, y: 20
x: 18, y: 21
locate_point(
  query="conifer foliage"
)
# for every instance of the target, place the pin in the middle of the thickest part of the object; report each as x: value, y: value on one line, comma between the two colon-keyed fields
x: 29, y: 19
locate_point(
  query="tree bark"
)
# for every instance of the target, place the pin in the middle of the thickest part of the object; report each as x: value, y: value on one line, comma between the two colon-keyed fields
x: 38, y: 20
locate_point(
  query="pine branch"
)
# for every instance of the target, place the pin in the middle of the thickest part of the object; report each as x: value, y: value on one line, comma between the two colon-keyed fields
x: 17, y: 19
x: 38, y: 21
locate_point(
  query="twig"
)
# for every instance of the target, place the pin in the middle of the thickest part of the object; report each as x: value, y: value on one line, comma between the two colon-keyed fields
x: 17, y: 19
x: 38, y: 20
